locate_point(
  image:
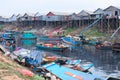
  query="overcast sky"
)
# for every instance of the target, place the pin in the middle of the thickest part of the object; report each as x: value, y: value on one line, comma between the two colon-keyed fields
x: 9, y: 7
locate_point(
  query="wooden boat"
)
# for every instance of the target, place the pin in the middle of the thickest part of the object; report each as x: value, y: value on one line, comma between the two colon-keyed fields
x: 51, y: 47
x: 104, y: 46
x: 72, y: 41
x: 116, y: 47
x: 101, y: 47
x: 75, y: 64
x: 49, y: 59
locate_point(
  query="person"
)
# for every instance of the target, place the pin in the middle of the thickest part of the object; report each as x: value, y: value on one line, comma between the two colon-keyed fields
x: 13, y: 46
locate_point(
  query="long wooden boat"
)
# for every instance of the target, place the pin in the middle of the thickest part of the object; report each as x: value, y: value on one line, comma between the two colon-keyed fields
x: 116, y: 47
x: 98, y: 47
x: 72, y: 41
x: 51, y: 47
x: 104, y: 46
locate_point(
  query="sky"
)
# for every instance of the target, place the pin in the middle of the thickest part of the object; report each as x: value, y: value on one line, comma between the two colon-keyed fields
x: 9, y: 7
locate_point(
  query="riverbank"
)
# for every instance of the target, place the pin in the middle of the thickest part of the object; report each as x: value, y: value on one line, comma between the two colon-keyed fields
x: 9, y: 70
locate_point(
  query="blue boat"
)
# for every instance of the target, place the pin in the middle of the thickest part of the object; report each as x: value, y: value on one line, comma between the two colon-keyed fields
x: 51, y: 47
x: 28, y: 39
x: 65, y: 73
x: 28, y: 36
x: 8, y: 37
x: 13, y: 31
x: 47, y: 38
x: 72, y: 41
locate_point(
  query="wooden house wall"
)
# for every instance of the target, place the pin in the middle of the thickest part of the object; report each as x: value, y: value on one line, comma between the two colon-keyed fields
x: 53, y: 18
x: 84, y: 15
x: 111, y: 11
x: 74, y: 17
x: 1, y: 19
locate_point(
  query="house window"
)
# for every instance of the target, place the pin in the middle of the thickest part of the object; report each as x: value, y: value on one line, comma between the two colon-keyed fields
x: 48, y: 17
x: 26, y: 17
x: 116, y: 13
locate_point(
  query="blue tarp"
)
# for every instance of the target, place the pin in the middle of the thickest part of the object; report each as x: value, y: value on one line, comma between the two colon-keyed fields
x: 60, y: 71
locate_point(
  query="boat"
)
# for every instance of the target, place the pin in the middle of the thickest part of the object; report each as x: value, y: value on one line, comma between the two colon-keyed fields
x: 8, y: 36
x: 48, y: 38
x: 51, y: 47
x: 116, y: 47
x: 72, y: 41
x: 8, y: 40
x: 104, y: 46
x: 75, y: 64
x: 92, y: 41
x: 65, y: 73
x: 83, y: 37
x: 28, y: 38
x: 13, y: 31
x: 28, y: 57
x: 101, y: 47
x: 107, y: 45
x: 27, y: 35
x: 49, y: 59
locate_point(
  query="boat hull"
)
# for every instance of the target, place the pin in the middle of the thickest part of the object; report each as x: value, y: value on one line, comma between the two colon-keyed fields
x: 98, y: 47
x: 51, y: 48
x: 71, y: 41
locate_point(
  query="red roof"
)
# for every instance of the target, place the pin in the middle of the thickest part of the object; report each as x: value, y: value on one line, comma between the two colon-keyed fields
x: 50, y: 14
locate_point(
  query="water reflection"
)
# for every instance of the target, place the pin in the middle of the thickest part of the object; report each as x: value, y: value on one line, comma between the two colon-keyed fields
x: 29, y: 44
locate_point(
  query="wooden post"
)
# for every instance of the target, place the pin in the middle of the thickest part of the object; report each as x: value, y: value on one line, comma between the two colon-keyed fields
x: 108, y: 25
x: 101, y: 25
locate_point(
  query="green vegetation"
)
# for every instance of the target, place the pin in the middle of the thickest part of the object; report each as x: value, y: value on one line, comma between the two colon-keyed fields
x: 94, y: 32
x: 69, y: 30
x: 1, y: 27
x: 36, y: 77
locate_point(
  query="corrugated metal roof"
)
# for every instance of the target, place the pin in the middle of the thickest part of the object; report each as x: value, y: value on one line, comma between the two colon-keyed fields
x: 98, y: 9
x: 85, y: 12
x: 29, y: 14
x: 61, y: 13
x: 112, y: 6
x: 37, y: 14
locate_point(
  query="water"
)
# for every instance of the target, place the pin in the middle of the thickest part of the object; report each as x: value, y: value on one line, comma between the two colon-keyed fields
x: 105, y: 63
